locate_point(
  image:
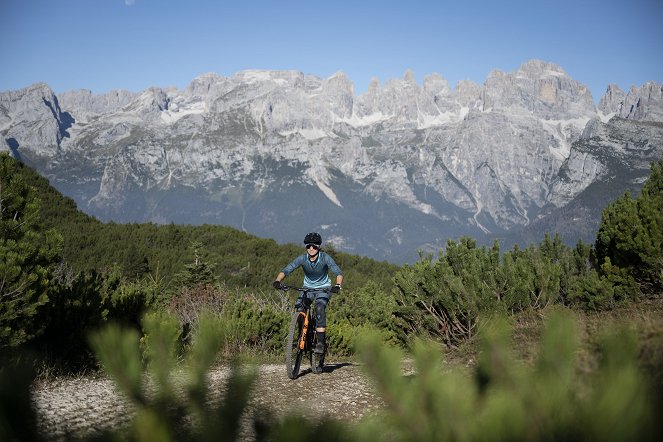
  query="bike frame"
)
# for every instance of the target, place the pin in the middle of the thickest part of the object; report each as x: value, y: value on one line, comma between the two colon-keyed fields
x: 304, y: 342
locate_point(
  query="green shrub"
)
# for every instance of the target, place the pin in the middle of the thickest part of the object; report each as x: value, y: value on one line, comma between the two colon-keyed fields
x: 352, y: 311
x: 75, y: 309
x: 178, y: 406
x: 503, y: 399
x: 18, y: 418
x: 507, y: 400
x: 444, y: 298
x: 188, y: 303
x: 630, y: 233
x: 601, y: 291
x: 591, y: 291
x: 130, y: 301
x: 28, y: 254
x: 342, y: 336
x: 164, y: 414
x: 528, y: 280
x: 254, y: 322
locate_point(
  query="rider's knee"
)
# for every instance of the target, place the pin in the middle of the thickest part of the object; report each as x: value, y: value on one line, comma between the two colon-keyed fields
x: 320, y: 313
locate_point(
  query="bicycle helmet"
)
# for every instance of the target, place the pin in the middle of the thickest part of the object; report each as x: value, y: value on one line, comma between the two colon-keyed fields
x: 313, y: 238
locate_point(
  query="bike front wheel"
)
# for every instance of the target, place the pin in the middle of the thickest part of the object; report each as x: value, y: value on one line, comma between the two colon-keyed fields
x: 293, y: 354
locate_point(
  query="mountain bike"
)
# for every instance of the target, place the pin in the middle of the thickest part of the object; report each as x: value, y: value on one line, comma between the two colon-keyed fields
x: 301, y: 337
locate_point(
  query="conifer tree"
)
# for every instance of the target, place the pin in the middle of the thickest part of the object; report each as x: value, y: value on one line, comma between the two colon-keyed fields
x: 199, y: 272
x: 630, y: 235
x: 135, y: 263
x: 26, y: 255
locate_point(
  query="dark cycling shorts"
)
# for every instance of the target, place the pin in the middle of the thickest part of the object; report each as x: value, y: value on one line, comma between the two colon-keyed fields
x: 320, y: 300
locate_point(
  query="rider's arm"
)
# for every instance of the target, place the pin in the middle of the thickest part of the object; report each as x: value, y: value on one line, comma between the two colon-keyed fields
x: 280, y: 276
x: 286, y: 271
x: 291, y: 267
x: 336, y: 269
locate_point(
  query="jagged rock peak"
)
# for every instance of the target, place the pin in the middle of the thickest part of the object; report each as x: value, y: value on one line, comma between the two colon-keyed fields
x: 291, y: 78
x: 539, y: 68
x: 31, y: 101
x: 538, y: 88
x: 644, y: 103
x: 203, y: 82
x: 408, y: 77
x: 339, y: 91
x: 84, y: 104
x: 612, y: 101
x: 339, y: 80
x: 470, y: 94
x: 32, y: 118
x: 373, y: 85
x: 41, y: 89
x: 339, y: 75
x: 149, y: 103
x: 435, y: 84
x: 532, y: 69
x: 207, y: 76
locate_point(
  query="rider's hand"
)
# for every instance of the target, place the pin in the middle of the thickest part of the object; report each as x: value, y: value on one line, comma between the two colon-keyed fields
x: 336, y: 288
x: 277, y: 285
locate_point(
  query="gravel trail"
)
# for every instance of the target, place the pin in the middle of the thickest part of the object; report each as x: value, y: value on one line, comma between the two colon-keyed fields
x: 69, y: 408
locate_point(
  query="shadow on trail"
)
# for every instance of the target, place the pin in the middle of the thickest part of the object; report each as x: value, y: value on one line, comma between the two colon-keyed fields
x: 328, y: 368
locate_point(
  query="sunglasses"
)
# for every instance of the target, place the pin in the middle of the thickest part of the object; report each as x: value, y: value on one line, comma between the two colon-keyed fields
x: 314, y: 246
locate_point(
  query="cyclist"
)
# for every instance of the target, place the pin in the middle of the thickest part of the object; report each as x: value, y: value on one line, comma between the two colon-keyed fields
x: 316, y: 265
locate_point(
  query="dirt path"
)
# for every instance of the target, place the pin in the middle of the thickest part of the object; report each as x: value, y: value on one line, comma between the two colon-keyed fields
x: 88, y: 406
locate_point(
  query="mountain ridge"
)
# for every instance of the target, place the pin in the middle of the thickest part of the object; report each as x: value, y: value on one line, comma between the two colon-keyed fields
x: 256, y: 149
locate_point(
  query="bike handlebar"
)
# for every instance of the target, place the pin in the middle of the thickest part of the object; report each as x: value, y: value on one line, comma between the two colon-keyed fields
x: 285, y: 288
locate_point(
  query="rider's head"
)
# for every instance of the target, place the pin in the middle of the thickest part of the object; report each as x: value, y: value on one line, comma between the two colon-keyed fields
x: 313, y: 241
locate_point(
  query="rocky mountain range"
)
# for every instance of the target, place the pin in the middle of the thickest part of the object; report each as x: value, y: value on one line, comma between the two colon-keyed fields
x: 385, y: 174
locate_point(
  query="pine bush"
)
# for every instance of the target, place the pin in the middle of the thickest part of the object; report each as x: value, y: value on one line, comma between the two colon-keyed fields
x: 507, y: 400
x: 630, y: 234
x: 28, y: 255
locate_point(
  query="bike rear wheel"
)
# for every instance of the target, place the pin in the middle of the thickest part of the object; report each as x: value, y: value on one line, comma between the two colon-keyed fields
x: 293, y: 354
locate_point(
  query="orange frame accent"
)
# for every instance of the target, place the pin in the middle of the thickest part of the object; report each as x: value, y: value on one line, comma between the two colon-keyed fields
x: 302, y: 340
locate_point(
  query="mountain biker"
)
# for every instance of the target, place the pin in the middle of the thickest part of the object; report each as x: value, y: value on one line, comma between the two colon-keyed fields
x: 316, y: 265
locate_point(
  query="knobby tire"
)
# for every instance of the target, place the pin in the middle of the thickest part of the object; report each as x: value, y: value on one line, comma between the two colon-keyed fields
x: 293, y: 354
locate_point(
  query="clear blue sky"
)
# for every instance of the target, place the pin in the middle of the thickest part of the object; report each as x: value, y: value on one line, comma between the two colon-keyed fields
x: 133, y: 44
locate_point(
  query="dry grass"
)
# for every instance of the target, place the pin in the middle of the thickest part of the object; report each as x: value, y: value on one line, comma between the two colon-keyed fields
x: 644, y: 318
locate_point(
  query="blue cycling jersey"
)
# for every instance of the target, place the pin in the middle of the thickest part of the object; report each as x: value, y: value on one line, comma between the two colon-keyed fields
x: 316, y: 273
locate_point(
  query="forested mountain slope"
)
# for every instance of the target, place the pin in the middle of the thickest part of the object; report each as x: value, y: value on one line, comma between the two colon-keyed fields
x: 237, y: 258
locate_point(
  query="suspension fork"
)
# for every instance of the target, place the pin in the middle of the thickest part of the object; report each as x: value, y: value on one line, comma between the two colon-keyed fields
x: 302, y: 338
